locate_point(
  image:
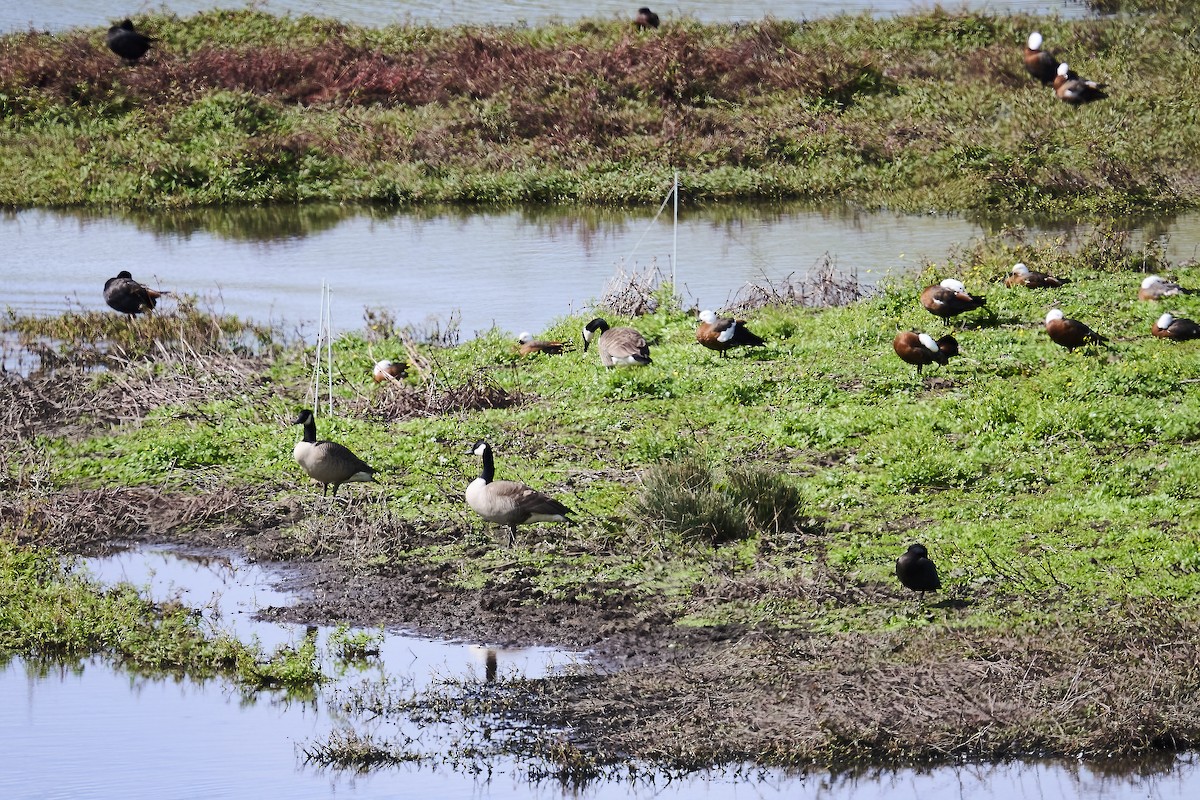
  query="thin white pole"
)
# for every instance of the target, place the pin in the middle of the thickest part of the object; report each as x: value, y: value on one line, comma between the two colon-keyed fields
x: 329, y: 346
x: 675, y: 236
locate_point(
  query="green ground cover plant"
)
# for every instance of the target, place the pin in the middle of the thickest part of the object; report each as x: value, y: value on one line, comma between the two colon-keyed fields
x: 928, y: 111
x: 1057, y: 493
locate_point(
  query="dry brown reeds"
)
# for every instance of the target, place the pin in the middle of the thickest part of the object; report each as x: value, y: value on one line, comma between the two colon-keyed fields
x: 826, y: 286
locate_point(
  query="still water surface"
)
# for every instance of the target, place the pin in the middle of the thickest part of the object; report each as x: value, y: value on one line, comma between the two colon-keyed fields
x: 60, y: 14
x: 92, y: 730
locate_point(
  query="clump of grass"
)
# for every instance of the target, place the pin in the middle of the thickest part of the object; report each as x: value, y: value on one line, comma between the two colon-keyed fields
x: 348, y: 645
x: 686, y: 498
x: 638, y: 293
x: 824, y: 287
x: 478, y: 391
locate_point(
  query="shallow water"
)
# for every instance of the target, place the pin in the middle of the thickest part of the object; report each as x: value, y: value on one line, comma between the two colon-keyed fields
x: 91, y: 730
x: 59, y: 14
x: 518, y: 269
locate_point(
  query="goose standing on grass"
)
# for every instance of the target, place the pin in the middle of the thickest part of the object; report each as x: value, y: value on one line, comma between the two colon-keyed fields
x: 1070, y: 333
x: 508, y: 502
x: 1021, y: 275
x: 916, y: 571
x: 126, y: 42
x: 1168, y: 327
x: 126, y: 295
x: 949, y: 299
x: 920, y: 349
x: 527, y: 345
x: 616, y: 346
x: 1156, y: 288
x: 388, y: 370
x: 1076, y: 91
x: 722, y: 333
x: 1038, y: 62
x: 328, y: 462
x: 645, y: 18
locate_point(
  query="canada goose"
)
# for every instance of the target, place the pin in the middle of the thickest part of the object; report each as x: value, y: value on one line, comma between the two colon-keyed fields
x: 949, y: 298
x: 127, y: 43
x: 645, y: 18
x: 722, y: 333
x: 1070, y: 333
x: 921, y: 348
x: 1021, y: 275
x: 508, y: 502
x: 328, y: 462
x: 1076, y: 91
x: 527, y: 345
x: 388, y: 370
x: 126, y: 295
x: 916, y: 571
x: 617, y: 346
x: 1038, y: 62
x: 1156, y: 288
x: 1168, y: 327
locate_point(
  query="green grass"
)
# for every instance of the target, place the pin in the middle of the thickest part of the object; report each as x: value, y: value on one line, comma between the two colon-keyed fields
x: 925, y: 111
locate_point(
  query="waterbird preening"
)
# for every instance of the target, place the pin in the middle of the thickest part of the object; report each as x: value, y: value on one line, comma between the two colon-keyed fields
x: 1070, y: 333
x: 645, y: 18
x: 722, y: 333
x: 126, y: 295
x: 328, y: 463
x: 949, y: 299
x: 508, y: 502
x: 527, y: 345
x: 1076, y: 91
x: 1039, y: 63
x: 126, y: 42
x: 920, y: 349
x: 1021, y: 275
x: 916, y: 571
x: 1170, y: 327
x: 1154, y: 287
x: 616, y: 346
x: 388, y: 370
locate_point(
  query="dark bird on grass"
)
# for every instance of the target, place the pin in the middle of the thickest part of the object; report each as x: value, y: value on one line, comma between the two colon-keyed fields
x: 722, y: 333
x: 1168, y: 327
x: 1076, y: 91
x: 1039, y: 63
x: 127, y: 43
x: 920, y: 349
x: 949, y: 299
x: 388, y: 370
x: 916, y: 571
x: 126, y: 295
x: 508, y: 502
x: 1155, y: 288
x: 1021, y: 275
x: 616, y: 346
x: 527, y: 345
x: 1070, y: 333
x: 645, y: 18
x: 328, y: 463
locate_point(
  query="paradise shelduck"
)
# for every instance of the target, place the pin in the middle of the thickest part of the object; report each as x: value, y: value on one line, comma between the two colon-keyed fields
x: 1156, y: 288
x: 1038, y: 62
x: 1168, y: 327
x: 1021, y: 275
x: 617, y: 346
x: 916, y: 571
x: 921, y: 348
x: 1076, y: 91
x: 508, y: 502
x: 126, y: 295
x: 328, y: 463
x: 527, y: 345
x: 127, y: 43
x: 722, y: 333
x: 388, y: 370
x: 949, y: 298
x: 645, y: 18
x: 1070, y: 333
